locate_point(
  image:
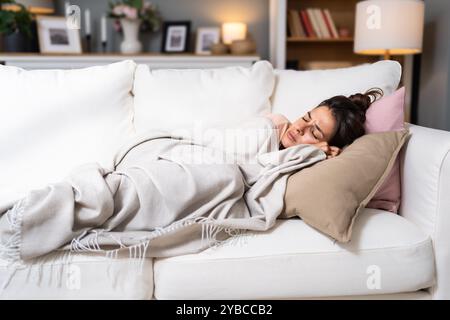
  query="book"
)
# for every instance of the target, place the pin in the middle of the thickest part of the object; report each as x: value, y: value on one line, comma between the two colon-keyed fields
x: 296, y: 24
x: 302, y: 22
x: 291, y: 26
x: 327, y: 23
x: 314, y: 22
x: 330, y: 20
x: 322, y: 25
x: 308, y: 24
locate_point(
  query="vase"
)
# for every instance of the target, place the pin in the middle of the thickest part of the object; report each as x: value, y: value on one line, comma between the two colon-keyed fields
x: 130, y: 43
x: 14, y: 42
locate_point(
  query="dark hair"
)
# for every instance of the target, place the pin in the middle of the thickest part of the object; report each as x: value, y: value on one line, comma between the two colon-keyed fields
x: 350, y: 115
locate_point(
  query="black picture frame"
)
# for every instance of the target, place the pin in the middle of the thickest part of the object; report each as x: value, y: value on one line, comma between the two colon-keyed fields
x: 173, y: 40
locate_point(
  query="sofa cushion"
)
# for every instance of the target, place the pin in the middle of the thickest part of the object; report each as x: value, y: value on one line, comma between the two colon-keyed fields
x: 87, y: 276
x: 187, y: 101
x: 54, y: 120
x: 330, y: 194
x: 387, y: 114
x: 292, y: 260
x: 296, y: 92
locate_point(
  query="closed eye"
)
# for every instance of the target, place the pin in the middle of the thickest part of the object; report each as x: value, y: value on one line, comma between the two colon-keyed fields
x: 312, y: 132
x: 316, y: 126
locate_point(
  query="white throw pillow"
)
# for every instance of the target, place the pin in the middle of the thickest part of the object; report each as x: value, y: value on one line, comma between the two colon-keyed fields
x: 52, y: 121
x: 296, y: 92
x: 188, y: 101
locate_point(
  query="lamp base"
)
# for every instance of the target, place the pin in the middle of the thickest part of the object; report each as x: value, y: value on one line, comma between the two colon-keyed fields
x: 243, y: 47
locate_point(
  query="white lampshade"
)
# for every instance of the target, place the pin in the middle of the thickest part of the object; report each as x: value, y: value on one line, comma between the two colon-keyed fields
x: 34, y: 6
x: 392, y: 27
x: 232, y: 31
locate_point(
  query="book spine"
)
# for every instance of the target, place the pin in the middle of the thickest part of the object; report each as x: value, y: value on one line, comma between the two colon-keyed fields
x: 322, y: 25
x: 298, y: 24
x: 291, y: 26
x: 327, y: 23
x: 308, y: 24
x: 304, y: 27
x: 314, y: 22
x: 333, y: 25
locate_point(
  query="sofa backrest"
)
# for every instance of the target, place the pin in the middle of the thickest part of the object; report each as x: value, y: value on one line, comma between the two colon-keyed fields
x: 51, y: 121
x: 296, y: 92
x: 187, y: 100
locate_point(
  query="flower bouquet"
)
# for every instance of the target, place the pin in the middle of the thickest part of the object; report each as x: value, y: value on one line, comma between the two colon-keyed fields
x: 135, y: 10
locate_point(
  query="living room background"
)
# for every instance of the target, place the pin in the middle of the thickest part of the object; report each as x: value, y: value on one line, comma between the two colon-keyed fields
x: 201, y: 13
x: 430, y: 107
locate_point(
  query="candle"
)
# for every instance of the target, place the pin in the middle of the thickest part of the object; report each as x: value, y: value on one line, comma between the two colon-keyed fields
x: 87, y: 18
x: 66, y: 8
x: 103, y: 29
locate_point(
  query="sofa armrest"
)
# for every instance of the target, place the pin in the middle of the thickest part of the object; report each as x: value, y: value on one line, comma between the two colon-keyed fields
x: 425, y: 163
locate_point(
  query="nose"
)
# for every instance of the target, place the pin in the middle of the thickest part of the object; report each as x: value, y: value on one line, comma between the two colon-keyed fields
x: 299, y: 130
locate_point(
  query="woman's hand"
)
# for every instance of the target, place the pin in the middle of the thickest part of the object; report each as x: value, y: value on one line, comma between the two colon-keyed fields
x: 330, y: 151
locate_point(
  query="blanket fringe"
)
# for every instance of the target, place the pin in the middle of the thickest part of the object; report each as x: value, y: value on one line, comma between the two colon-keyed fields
x: 138, y: 252
x: 34, y: 269
x: 210, y: 231
x: 10, y: 251
x: 10, y: 248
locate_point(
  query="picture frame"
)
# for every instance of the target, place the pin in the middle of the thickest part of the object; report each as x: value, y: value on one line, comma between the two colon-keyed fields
x: 206, y: 37
x: 55, y: 36
x: 176, y: 36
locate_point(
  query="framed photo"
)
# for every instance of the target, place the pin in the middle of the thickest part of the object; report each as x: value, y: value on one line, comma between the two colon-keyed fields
x: 55, y: 36
x: 176, y: 36
x: 206, y: 37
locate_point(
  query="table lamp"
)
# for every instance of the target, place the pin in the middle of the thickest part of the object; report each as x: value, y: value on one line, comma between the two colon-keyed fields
x: 34, y: 6
x: 389, y: 27
x: 234, y: 35
x: 232, y: 31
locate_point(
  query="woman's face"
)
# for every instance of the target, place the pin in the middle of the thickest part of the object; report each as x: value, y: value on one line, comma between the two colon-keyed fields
x: 315, y: 126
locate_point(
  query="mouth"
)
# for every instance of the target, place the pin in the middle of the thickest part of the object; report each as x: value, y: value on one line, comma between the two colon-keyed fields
x: 291, y: 136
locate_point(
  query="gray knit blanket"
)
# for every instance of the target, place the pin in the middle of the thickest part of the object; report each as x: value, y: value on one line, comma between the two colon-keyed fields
x: 163, y: 195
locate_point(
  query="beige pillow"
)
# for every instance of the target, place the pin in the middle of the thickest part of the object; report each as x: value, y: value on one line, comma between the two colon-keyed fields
x: 329, y: 195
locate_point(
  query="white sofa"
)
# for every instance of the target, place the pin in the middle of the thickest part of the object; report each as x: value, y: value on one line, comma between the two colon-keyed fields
x: 405, y: 256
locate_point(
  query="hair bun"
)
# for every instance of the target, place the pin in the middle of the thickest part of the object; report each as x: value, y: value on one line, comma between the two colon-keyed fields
x: 364, y: 100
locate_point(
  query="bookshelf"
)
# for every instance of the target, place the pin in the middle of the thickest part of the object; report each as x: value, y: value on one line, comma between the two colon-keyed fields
x: 325, y: 51
x: 302, y: 52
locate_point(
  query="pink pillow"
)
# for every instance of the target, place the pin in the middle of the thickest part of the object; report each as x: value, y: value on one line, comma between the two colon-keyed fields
x: 387, y: 114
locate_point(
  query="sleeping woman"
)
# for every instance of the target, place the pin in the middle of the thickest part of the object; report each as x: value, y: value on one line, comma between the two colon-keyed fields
x: 332, y: 125
x: 154, y: 202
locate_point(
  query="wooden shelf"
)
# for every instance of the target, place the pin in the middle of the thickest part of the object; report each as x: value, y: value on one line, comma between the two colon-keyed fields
x: 155, y: 61
x: 118, y: 54
x: 296, y: 39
